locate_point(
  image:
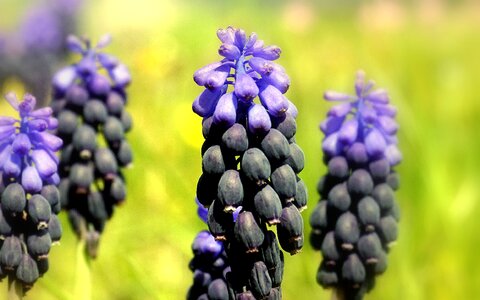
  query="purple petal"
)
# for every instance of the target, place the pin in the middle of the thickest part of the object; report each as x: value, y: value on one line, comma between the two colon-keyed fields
x: 386, y: 110
x: 74, y: 44
x: 236, y: 212
x: 273, y: 100
x: 336, y: 96
x: 368, y: 114
x: 261, y: 66
x: 348, y: 132
x: 257, y: 45
x: 229, y: 51
x: 6, y: 121
x: 12, y: 99
x: 204, y: 104
x: 388, y: 125
x: 104, y: 41
x: 375, y: 143
x: 226, y: 110
x: 44, y: 112
x: 202, y: 212
x: 6, y: 132
x: 5, y: 152
x: 379, y: 96
x: 292, y: 109
x: 331, y: 145
x: 331, y: 124
x: 45, y: 165
x: 240, y: 38
x: 340, y: 110
x: 251, y: 40
x: 27, y: 105
x: 38, y: 124
x: 278, y: 79
x: 359, y: 83
x: 270, y: 52
x: 13, y: 165
x: 217, y: 78
x: 47, y: 140
x: 64, y: 78
x: 226, y: 35
x: 120, y: 75
x: 393, y: 155
x: 107, y: 61
x: 53, y: 180
x: 99, y: 85
x: 201, y: 75
x: 52, y: 123
x: 87, y: 65
x: 245, y: 87
x: 258, y: 119
x: 21, y: 145
x: 31, y: 180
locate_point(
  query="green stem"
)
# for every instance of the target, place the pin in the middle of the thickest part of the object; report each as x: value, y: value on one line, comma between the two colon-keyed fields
x: 83, y: 288
x: 15, y: 290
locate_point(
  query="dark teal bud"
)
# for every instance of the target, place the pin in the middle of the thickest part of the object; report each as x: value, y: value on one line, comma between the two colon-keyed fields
x: 368, y: 213
x: 290, y: 230
x: 67, y: 156
x: 256, y: 166
x: 105, y: 162
x: 347, y: 230
x: 218, y: 290
x: 42, y: 266
x: 207, y: 188
x: 64, y: 189
x: 329, y: 249
x: 268, y: 205
x: 296, y: 160
x: 77, y: 221
x: 81, y: 176
x: 388, y: 230
x: 118, y: 190
x: 393, y: 181
x: 326, y: 276
x: 113, y: 131
x: 230, y: 190
x: 339, y: 197
x: 13, y: 199
x: 95, y: 112
x: 260, y: 281
x: 39, y: 244
x: 353, y: 270
x: 201, y: 279
x: 318, y: 218
x: 126, y: 120
x: 11, y: 253
x: 338, y: 167
x: 286, y: 125
x: 96, y: 207
x: 379, y: 169
x: 212, y: 161
x: 247, y: 232
x: 5, y: 228
x: 270, y: 251
x: 383, y: 194
x: 275, y: 294
x: 218, y: 221
x: 27, y: 270
x: 301, y: 196
x: 276, y: 272
x: 115, y: 104
x: 51, y: 193
x: 235, y: 139
x: 275, y: 146
x: 394, y: 211
x: 39, y: 211
x: 124, y: 154
x: 360, y: 183
x: 370, y: 248
x: 54, y: 229
x: 67, y: 123
x: 85, y: 141
x: 284, y: 182
x: 382, y: 263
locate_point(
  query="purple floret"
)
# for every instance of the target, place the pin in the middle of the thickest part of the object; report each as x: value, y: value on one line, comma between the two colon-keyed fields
x: 27, y: 149
x: 366, y: 118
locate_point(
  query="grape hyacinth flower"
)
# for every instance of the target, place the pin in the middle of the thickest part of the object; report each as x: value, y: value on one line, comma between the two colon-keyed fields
x: 209, y: 265
x: 250, y: 160
x: 89, y: 101
x: 355, y: 222
x: 30, y: 200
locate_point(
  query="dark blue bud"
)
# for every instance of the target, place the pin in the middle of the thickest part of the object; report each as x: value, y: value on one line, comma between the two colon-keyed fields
x: 255, y: 166
x: 368, y: 213
x: 218, y: 290
x: 296, y: 160
x: 27, y: 270
x: 95, y: 112
x: 212, y: 161
x: 230, y: 191
x: 330, y: 251
x: 39, y: 244
x: 268, y: 205
x: 235, y: 139
x: 338, y: 167
x: 339, y: 197
x: 370, y: 248
x: 284, y: 182
x: 260, y: 281
x: 11, y: 253
x: 275, y: 146
x: 39, y: 211
x: 347, y: 230
x: 360, y: 183
x: 383, y: 194
x: 247, y: 232
x: 353, y: 270
x: 13, y: 199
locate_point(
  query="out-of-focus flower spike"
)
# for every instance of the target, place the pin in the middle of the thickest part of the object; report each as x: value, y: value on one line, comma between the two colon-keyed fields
x: 340, y: 110
x: 379, y: 96
x: 336, y: 96
x: 108, y: 61
x: 64, y: 78
x: 104, y: 41
x: 7, y: 121
x: 360, y: 82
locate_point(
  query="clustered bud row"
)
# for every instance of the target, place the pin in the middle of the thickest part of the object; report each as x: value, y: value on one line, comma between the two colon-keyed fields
x: 355, y: 222
x: 89, y: 101
x: 250, y: 163
x: 30, y: 200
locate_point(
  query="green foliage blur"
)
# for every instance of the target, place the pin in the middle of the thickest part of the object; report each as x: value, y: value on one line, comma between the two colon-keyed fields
x: 425, y: 53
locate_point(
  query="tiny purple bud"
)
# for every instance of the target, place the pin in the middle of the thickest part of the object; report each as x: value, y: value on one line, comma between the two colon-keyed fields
x: 226, y: 110
x: 330, y: 144
x: 261, y: 66
x: 87, y: 65
x: 379, y: 96
x: 6, y: 132
x: 331, y: 124
x: 273, y: 100
x: 375, y: 143
x: 12, y: 100
x: 359, y: 83
x: 31, y: 180
x: 7, y: 121
x: 229, y: 51
x: 226, y: 35
x: 258, y: 119
x: 278, y: 79
x: 336, y: 96
x: 270, y: 52
x: 74, y: 44
x: 44, y: 112
x: 5, y: 151
x: 368, y: 114
x: 357, y: 153
x: 245, y: 87
x: 388, y: 125
x: 13, y: 165
x: 27, y: 105
x: 386, y: 110
x: 205, y: 103
x: 217, y: 78
x: 251, y: 40
x: 240, y: 38
x: 340, y: 110
x: 104, y: 41
x: 64, y: 78
x: 201, y: 75
x: 46, y: 139
x: 120, y: 75
x: 348, y: 132
x: 38, y: 125
x: 21, y: 145
x: 44, y: 163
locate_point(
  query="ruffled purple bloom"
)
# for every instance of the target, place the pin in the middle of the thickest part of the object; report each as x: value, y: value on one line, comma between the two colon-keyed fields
x: 27, y: 149
x: 248, y: 67
x: 366, y: 118
x: 90, y: 68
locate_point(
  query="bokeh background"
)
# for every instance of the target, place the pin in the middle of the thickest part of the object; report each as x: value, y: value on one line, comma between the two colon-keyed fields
x: 426, y: 53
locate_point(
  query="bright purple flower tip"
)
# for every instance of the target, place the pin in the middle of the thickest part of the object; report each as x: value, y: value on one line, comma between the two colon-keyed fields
x: 120, y: 75
x: 273, y: 100
x: 246, y: 88
x: 21, y: 145
x: 258, y: 119
x: 226, y: 110
x: 64, y: 78
x: 44, y: 163
x: 340, y: 110
x: 348, y: 132
x: 331, y: 145
x: 375, y: 143
x: 205, y: 103
x: 229, y: 51
x: 31, y: 181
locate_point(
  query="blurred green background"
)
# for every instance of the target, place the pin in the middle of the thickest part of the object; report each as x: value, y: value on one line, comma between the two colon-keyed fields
x: 425, y: 53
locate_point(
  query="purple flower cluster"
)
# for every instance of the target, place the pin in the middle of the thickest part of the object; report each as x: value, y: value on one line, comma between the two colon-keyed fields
x: 30, y: 199
x: 355, y: 222
x: 27, y: 149
x: 89, y: 101
x: 250, y: 163
x: 247, y: 66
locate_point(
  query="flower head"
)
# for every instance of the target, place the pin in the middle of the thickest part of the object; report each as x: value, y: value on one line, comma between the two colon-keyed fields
x: 365, y: 118
x: 27, y: 150
x: 248, y: 67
